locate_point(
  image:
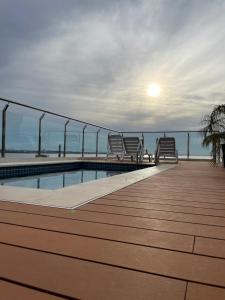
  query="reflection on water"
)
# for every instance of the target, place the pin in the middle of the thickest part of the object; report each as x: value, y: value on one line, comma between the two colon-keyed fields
x: 55, y: 181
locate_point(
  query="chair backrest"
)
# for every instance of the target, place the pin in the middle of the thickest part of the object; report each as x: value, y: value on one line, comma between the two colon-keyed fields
x: 167, y: 146
x: 115, y: 143
x: 132, y: 145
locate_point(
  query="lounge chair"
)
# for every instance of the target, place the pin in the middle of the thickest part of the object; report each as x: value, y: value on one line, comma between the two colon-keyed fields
x: 166, y: 147
x: 134, y: 147
x: 116, y: 146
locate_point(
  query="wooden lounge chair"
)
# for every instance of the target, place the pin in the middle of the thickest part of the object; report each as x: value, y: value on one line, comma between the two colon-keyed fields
x: 116, y: 146
x: 166, y: 148
x: 134, y: 147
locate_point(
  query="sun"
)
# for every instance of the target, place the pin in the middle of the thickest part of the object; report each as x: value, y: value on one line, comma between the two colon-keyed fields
x: 153, y: 90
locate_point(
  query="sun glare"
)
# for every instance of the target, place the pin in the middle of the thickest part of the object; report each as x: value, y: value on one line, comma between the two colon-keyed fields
x: 153, y: 90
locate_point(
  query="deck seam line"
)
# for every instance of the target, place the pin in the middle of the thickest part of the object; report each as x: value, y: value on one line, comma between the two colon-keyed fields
x: 153, y: 209
x: 172, y: 185
x: 144, y: 197
x: 67, y: 218
x: 193, y: 245
x: 180, y: 191
x: 186, y: 222
x: 157, y: 203
x: 185, y: 293
x: 98, y: 238
x: 116, y: 241
x: 113, y: 224
x: 165, y: 199
x: 171, y: 191
x: 31, y: 287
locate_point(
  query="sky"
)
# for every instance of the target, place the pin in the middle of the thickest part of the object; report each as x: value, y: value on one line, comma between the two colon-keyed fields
x: 93, y: 60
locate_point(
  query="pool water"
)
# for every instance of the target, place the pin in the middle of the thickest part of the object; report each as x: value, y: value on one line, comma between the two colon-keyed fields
x: 53, y: 181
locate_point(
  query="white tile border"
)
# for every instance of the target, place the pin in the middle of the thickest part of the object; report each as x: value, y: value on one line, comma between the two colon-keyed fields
x: 74, y: 196
x: 33, y: 162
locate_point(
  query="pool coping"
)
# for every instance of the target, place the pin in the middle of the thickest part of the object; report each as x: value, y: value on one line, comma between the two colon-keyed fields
x: 65, y: 160
x: 74, y: 196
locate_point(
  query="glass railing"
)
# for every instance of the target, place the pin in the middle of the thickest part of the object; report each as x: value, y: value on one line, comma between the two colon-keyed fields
x: 29, y: 131
x: 188, y: 143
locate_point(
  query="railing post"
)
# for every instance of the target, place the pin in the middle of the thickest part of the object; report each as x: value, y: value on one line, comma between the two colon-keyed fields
x: 59, y: 153
x: 143, y: 139
x: 64, y: 181
x: 39, y: 134
x: 96, y: 154
x: 64, y: 147
x: 108, y: 150
x: 83, y: 140
x: 38, y: 183
x: 188, y: 145
x: 4, y: 128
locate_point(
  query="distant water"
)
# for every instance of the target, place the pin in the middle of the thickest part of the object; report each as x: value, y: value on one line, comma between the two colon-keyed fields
x: 31, y: 155
x: 28, y: 155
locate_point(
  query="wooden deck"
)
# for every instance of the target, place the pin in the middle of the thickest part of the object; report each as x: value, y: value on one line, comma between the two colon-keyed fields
x: 161, y: 238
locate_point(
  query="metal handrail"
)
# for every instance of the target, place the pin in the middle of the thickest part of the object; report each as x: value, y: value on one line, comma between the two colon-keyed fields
x: 164, y: 131
x: 92, y: 124
x: 56, y: 114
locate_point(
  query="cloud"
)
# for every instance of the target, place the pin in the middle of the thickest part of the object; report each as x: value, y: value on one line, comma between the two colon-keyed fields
x: 93, y: 60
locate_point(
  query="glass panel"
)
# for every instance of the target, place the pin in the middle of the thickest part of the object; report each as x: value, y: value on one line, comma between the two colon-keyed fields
x: 196, y: 148
x: 1, y: 109
x: 181, y: 143
x: 102, y: 142
x: 21, y: 132
x: 90, y: 140
x: 150, y: 141
x: 74, y: 139
x: 52, y: 134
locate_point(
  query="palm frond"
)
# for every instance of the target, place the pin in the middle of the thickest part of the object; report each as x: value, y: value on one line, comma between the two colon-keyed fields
x: 213, y: 138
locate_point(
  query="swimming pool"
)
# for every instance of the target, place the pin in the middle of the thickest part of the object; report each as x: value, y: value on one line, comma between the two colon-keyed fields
x: 52, y: 176
x: 53, y: 181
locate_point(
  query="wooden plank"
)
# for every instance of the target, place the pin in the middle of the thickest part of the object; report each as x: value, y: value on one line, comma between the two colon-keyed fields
x: 140, y: 258
x: 160, y: 215
x: 127, y: 221
x: 83, y: 279
x: 169, y: 208
x: 204, y: 292
x: 11, y: 291
x: 35, y: 209
x: 103, y: 231
x: 173, y: 196
x: 212, y: 247
x: 153, y: 224
x: 166, y: 201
